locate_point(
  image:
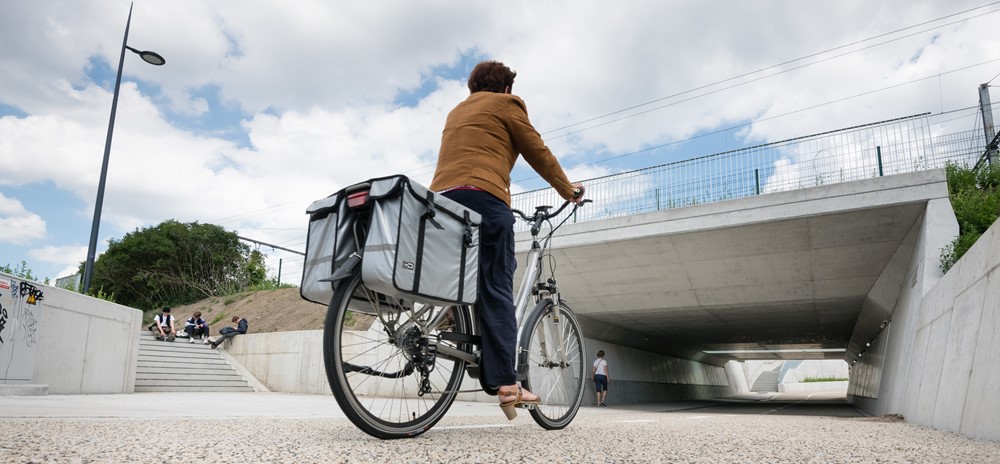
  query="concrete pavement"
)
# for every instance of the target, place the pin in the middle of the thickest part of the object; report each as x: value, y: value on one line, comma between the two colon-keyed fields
x: 276, y: 427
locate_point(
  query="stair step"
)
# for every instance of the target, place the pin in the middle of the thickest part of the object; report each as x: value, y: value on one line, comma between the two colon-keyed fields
x: 181, y: 366
x: 184, y: 368
x: 180, y: 381
x: 181, y: 388
x: 210, y: 377
x: 180, y: 362
x: 157, y: 345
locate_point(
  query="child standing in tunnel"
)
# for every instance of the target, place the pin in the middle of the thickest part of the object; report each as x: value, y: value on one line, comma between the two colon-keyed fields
x: 600, y: 374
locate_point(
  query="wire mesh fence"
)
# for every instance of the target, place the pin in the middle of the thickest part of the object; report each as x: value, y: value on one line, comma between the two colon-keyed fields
x: 884, y: 148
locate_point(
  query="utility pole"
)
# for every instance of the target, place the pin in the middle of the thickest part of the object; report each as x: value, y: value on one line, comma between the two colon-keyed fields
x: 987, y: 109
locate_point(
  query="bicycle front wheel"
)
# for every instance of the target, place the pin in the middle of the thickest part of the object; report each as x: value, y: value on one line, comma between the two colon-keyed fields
x: 382, y: 361
x: 551, y: 355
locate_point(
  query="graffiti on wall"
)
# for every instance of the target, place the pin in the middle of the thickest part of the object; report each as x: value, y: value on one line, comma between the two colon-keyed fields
x: 19, y: 301
x: 34, y: 295
x: 3, y: 321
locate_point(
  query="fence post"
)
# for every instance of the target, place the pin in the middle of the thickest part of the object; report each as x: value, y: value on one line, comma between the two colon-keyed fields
x: 756, y: 179
x: 878, y: 157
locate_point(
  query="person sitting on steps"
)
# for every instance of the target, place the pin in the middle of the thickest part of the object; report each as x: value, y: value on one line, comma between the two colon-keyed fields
x: 163, y: 326
x: 196, y: 327
x: 229, y: 332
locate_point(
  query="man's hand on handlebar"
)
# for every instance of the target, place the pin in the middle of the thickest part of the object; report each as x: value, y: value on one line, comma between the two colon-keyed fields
x: 578, y: 192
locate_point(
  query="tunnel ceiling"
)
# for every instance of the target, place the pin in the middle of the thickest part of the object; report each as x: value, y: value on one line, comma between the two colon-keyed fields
x: 789, y: 282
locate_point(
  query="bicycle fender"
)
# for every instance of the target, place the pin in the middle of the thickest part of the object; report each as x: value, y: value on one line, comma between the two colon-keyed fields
x: 345, y: 270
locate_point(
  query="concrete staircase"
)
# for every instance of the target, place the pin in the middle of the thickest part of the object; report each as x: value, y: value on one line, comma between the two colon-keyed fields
x: 180, y: 366
x: 767, y: 382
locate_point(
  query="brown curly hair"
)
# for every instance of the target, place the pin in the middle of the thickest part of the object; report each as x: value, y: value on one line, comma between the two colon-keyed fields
x: 491, y: 76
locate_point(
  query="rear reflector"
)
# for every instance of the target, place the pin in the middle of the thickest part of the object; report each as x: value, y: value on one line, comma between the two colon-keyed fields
x: 357, y: 199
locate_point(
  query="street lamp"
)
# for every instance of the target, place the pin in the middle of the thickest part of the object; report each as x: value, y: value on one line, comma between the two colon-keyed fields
x: 152, y: 58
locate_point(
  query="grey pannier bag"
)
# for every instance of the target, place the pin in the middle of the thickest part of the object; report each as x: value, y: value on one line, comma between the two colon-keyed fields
x: 329, y: 243
x: 421, y: 245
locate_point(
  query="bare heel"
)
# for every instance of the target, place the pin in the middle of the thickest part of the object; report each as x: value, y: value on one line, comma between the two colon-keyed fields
x: 509, y: 411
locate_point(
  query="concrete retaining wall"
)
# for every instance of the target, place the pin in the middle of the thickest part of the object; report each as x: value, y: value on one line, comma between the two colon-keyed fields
x: 73, y: 343
x: 812, y: 386
x: 292, y: 362
x: 937, y: 360
x: 801, y: 371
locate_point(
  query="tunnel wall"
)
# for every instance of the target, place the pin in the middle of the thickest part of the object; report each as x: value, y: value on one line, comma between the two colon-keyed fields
x: 292, y: 362
x: 937, y: 362
x: 643, y: 377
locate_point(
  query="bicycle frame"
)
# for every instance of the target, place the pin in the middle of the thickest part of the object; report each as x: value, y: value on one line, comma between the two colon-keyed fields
x: 530, y: 286
x: 398, y: 377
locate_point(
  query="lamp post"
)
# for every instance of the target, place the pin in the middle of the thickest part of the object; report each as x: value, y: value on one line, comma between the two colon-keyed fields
x: 151, y: 58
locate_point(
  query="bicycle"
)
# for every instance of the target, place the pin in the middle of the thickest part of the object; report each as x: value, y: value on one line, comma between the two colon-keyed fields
x: 400, y: 376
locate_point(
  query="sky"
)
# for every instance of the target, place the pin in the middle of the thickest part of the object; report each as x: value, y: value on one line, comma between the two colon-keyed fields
x: 265, y: 106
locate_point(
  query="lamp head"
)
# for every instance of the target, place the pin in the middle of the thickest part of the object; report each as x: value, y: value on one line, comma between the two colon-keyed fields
x: 152, y: 58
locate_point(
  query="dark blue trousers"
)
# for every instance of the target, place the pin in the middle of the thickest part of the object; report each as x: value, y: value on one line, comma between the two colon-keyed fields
x: 496, y: 284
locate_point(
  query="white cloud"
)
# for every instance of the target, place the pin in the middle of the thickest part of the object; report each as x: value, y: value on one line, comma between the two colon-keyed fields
x: 66, y: 258
x: 18, y: 225
x: 318, y: 80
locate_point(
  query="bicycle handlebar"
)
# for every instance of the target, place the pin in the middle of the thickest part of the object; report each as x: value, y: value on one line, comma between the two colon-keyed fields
x: 541, y: 213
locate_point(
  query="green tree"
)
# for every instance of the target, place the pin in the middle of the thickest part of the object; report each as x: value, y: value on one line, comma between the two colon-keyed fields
x: 20, y: 270
x: 176, y: 263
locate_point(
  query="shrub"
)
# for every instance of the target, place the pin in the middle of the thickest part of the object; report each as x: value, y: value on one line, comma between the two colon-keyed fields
x: 975, y: 198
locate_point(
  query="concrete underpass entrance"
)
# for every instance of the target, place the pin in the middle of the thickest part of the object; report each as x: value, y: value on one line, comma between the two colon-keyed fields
x: 677, y: 298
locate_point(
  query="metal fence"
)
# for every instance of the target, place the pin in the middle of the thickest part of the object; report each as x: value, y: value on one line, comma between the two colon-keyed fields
x: 861, y: 152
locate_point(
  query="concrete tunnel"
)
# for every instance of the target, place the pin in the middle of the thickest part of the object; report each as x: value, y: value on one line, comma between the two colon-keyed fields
x: 677, y: 294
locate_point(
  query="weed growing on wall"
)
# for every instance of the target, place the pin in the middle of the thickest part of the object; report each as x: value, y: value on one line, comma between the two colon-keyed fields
x: 975, y: 197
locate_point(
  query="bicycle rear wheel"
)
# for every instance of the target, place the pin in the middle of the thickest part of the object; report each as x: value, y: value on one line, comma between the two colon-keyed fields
x: 556, y: 375
x: 382, y: 363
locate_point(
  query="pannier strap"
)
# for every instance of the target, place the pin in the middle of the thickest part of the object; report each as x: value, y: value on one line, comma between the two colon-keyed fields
x: 429, y: 215
x: 468, y: 230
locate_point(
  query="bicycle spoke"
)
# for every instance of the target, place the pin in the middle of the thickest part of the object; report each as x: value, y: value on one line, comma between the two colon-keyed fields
x: 555, y: 371
x: 388, y: 378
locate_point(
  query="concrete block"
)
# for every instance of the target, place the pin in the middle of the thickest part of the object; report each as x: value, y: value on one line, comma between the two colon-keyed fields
x: 960, y: 348
x: 980, y: 418
x: 61, y: 355
x: 666, y: 277
x: 639, y: 301
x: 931, y: 370
x: 859, y: 260
x: 312, y: 372
x: 975, y: 262
x: 836, y: 288
x: 750, y: 270
x: 104, y: 356
x: 24, y: 390
x: 940, y: 228
x: 754, y: 240
x: 940, y: 299
x: 993, y: 248
x: 750, y: 295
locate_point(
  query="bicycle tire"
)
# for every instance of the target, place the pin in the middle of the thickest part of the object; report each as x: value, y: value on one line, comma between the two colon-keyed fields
x: 381, y: 406
x: 560, y: 387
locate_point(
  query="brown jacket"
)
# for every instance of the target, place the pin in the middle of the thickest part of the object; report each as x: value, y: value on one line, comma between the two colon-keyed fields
x: 480, y: 143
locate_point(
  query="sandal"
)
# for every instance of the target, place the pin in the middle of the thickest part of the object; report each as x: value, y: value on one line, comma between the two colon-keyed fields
x: 516, y: 399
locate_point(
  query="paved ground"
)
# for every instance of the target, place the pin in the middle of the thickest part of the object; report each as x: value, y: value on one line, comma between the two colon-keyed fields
x: 274, y: 427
